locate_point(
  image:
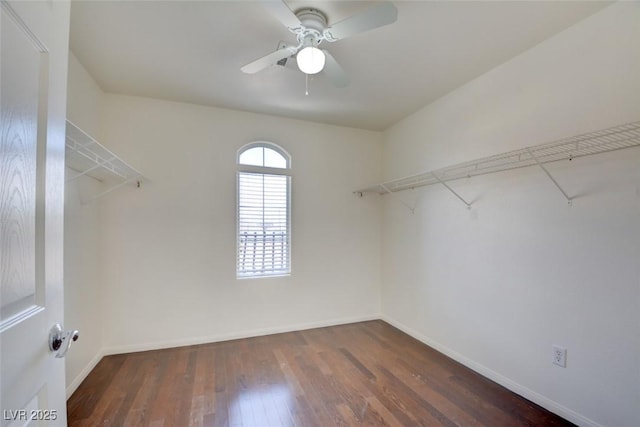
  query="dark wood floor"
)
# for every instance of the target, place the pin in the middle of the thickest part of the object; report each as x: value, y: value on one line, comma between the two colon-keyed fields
x: 365, y: 373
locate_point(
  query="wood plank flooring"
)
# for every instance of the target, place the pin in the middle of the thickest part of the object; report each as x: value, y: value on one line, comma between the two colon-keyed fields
x: 367, y: 373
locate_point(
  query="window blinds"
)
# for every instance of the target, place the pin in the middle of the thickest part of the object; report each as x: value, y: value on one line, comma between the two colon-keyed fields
x: 263, y: 224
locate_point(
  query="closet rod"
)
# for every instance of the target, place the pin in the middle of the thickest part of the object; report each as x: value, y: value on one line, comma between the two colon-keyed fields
x: 602, y: 141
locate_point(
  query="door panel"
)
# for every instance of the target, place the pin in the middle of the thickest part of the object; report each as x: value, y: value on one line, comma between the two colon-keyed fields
x: 22, y: 56
x: 34, y: 49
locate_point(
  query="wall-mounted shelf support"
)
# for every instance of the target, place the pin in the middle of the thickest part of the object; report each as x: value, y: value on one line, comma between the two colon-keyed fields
x: 411, y: 208
x: 450, y: 189
x: 105, y: 192
x: 88, y: 157
x: 564, y: 193
x: 602, y: 141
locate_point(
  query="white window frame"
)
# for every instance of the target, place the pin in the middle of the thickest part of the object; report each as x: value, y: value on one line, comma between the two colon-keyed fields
x: 264, y: 170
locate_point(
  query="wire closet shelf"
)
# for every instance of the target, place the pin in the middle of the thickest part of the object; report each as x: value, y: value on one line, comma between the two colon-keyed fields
x: 610, y: 139
x: 86, y: 156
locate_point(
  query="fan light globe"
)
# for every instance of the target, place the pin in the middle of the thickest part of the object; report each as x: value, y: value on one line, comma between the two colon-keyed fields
x: 310, y: 60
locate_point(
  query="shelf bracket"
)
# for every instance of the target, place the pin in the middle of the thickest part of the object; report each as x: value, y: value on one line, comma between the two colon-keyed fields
x: 137, y: 178
x: 451, y: 189
x: 411, y: 208
x: 566, y: 196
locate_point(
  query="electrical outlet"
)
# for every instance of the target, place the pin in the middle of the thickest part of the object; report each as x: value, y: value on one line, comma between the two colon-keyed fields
x: 560, y: 356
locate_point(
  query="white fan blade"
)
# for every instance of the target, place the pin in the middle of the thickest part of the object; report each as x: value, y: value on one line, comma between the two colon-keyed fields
x: 377, y: 16
x: 334, y: 71
x: 268, y: 60
x: 280, y: 10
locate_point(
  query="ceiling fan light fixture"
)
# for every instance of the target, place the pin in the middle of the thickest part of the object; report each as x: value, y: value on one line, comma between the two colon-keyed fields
x: 310, y: 60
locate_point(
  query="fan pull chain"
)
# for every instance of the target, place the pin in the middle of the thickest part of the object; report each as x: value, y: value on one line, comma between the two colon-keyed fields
x: 306, y: 83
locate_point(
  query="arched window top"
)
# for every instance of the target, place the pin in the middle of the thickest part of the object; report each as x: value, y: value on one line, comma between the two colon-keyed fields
x: 264, y: 154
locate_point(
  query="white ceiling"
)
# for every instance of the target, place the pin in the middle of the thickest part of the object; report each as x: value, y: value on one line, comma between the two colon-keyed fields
x: 192, y: 52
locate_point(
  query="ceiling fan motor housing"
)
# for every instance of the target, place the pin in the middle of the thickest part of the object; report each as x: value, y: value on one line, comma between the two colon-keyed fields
x: 314, y: 22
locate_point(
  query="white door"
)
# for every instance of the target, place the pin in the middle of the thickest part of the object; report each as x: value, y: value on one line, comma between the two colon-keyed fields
x: 34, y: 50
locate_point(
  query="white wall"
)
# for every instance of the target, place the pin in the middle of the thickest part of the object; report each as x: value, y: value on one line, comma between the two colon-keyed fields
x: 169, y: 247
x: 497, y: 286
x: 82, y: 237
x: 84, y: 106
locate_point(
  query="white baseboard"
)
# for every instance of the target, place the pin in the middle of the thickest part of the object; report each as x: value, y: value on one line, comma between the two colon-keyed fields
x: 83, y: 374
x: 131, y: 348
x: 519, y: 389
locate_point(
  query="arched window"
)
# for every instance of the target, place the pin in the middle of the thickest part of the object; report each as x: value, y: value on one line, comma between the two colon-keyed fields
x: 264, y: 154
x: 263, y: 211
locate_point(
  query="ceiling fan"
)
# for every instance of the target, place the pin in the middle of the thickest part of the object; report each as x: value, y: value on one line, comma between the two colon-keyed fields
x: 311, y: 28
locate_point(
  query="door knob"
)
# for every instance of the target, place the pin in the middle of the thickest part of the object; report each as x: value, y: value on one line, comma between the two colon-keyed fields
x: 60, y: 340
